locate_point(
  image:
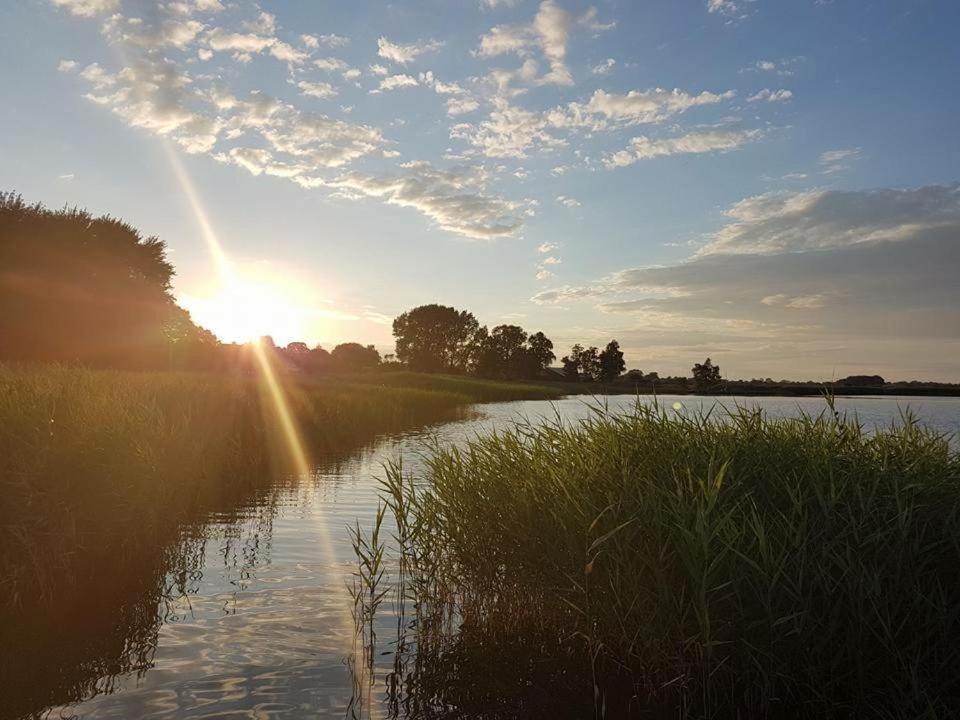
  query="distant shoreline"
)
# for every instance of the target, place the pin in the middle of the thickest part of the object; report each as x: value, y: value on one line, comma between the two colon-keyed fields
x: 734, y: 389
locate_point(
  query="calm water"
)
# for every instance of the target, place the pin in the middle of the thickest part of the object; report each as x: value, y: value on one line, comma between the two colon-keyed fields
x: 258, y: 626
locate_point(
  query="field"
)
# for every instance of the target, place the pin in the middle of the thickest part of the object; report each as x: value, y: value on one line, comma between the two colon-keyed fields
x: 658, y: 565
x: 96, y: 466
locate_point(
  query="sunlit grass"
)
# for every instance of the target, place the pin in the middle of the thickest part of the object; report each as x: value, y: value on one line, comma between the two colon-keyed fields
x: 96, y: 466
x: 685, y: 566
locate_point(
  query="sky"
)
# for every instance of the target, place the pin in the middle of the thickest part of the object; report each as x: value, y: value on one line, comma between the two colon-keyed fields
x: 772, y: 184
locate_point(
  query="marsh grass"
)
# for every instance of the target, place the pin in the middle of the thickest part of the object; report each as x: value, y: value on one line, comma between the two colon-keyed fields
x: 97, y: 466
x: 669, y: 565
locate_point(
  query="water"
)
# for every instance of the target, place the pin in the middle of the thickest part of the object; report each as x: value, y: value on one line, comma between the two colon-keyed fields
x: 258, y: 624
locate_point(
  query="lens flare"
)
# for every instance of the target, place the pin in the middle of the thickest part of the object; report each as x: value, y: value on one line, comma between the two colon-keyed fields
x: 280, y: 406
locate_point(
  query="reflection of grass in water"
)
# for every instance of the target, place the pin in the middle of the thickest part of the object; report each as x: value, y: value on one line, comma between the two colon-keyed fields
x: 100, y: 473
x: 682, y: 566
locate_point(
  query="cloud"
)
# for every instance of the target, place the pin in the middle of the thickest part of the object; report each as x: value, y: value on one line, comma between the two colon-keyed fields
x: 568, y: 201
x: 772, y: 96
x: 806, y: 302
x: 509, y: 131
x: 866, y: 276
x: 649, y: 106
x: 392, y: 82
x: 67, y: 66
x: 317, y: 89
x: 546, y: 247
x: 834, y: 161
x: 454, y: 199
x: 404, y: 54
x: 698, y: 142
x: 776, y: 223
x: 88, y: 8
x: 603, y: 68
x: 549, y: 31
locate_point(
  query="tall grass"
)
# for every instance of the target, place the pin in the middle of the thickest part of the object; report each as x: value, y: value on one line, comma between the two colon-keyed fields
x: 477, y: 389
x: 95, y: 465
x: 684, y: 566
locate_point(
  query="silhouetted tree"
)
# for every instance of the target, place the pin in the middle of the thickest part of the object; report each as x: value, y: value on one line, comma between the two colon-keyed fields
x: 571, y: 363
x: 436, y: 338
x: 541, y: 348
x: 611, y: 362
x: 706, y: 376
x: 499, y: 353
x: 78, y: 288
x: 589, y: 364
x: 862, y: 381
x: 353, y: 356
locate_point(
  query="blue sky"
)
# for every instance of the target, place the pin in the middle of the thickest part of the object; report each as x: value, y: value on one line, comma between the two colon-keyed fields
x: 773, y: 184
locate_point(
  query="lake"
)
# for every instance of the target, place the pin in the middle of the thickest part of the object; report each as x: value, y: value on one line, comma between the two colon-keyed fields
x: 257, y: 623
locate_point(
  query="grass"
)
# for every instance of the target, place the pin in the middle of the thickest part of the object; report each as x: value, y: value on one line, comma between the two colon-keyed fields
x: 660, y: 565
x: 96, y: 466
x: 476, y: 389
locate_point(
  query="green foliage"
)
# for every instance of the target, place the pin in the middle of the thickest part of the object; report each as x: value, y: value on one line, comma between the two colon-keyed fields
x: 435, y: 338
x: 678, y: 566
x: 506, y: 352
x: 74, y: 287
x: 354, y: 356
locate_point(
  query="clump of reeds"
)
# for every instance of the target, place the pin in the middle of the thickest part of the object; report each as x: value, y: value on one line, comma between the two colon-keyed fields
x: 663, y: 564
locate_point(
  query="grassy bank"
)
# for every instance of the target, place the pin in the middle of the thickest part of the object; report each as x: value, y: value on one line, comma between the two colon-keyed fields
x: 664, y: 566
x: 98, y: 465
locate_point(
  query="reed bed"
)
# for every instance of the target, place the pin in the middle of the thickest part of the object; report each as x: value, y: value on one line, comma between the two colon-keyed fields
x: 665, y: 565
x: 98, y: 466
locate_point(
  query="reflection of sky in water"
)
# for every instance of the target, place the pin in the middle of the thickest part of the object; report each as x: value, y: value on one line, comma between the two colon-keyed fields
x: 260, y: 635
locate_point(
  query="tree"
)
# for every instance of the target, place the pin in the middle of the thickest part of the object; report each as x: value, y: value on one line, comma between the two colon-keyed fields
x: 706, y: 376
x: 74, y: 287
x: 353, y: 356
x: 611, y: 362
x: 435, y: 338
x: 571, y: 363
x: 589, y: 364
x: 541, y: 349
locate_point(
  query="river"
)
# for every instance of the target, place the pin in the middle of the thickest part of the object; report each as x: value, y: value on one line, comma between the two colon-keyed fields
x: 258, y: 624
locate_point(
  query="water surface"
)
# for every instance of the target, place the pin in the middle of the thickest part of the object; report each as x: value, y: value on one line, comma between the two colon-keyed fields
x: 257, y: 624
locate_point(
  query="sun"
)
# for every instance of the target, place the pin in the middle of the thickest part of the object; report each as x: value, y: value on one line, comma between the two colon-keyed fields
x: 252, y: 304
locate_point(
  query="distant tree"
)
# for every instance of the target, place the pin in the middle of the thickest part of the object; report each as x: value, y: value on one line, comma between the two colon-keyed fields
x: 436, y: 338
x: 652, y: 376
x: 501, y: 352
x: 611, y: 362
x: 634, y: 375
x: 74, y: 287
x: 353, y: 356
x: 541, y: 348
x: 862, y: 381
x: 571, y: 363
x: 706, y: 376
x: 297, y: 348
x: 589, y: 364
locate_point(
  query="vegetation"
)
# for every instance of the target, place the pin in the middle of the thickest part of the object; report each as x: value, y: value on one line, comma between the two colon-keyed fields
x: 706, y: 376
x: 673, y: 566
x: 78, y: 288
x: 96, y: 465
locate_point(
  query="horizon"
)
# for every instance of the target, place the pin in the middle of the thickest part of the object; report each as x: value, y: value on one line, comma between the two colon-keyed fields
x: 732, y: 180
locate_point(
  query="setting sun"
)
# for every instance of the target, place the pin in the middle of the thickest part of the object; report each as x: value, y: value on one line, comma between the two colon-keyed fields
x: 255, y: 303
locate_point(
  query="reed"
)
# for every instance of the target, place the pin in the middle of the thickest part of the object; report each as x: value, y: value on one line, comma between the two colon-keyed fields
x: 701, y: 566
x: 98, y: 466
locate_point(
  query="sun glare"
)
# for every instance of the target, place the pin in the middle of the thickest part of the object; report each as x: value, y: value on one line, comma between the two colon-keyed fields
x: 249, y: 307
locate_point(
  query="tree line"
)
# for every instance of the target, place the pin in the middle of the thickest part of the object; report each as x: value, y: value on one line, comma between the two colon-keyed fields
x: 78, y: 288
